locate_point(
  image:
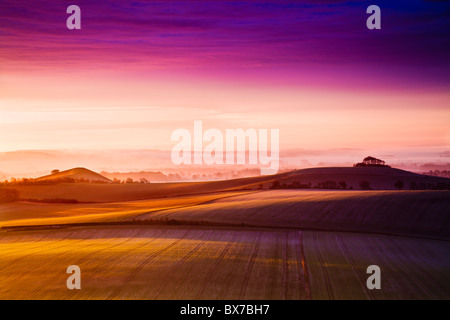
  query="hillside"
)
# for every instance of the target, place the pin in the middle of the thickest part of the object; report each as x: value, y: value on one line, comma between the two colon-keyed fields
x: 418, y: 213
x: 75, y: 174
x: 378, y: 178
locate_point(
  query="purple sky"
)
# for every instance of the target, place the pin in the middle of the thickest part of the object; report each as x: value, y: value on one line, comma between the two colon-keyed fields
x: 302, y: 41
x: 137, y: 70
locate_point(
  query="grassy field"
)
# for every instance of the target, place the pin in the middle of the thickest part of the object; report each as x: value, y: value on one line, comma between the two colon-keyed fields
x: 419, y: 213
x: 31, y: 213
x: 410, y: 268
x: 278, y: 244
x: 219, y: 263
x: 106, y: 193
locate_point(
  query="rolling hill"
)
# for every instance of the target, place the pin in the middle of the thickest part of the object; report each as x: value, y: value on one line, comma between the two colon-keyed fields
x: 266, y: 244
x: 77, y: 174
x: 377, y: 178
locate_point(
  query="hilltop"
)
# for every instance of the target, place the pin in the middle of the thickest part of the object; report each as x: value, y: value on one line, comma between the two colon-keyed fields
x: 74, y: 175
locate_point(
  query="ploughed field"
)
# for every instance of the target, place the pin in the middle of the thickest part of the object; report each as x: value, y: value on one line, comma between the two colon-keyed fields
x: 279, y: 244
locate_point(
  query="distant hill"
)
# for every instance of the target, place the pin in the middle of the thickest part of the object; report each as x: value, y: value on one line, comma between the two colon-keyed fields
x: 74, y: 175
x: 137, y: 176
x: 382, y: 178
x: 377, y: 178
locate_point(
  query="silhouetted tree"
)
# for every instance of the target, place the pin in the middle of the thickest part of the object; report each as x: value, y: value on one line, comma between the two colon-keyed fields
x: 441, y: 186
x: 343, y: 184
x: 276, y: 185
x: 55, y: 171
x: 365, y: 185
x: 330, y: 184
x: 413, y: 185
x: 399, y: 184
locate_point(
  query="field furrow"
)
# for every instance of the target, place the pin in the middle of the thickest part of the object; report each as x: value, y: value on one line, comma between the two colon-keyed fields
x: 217, y: 264
x: 304, y: 268
x: 179, y: 262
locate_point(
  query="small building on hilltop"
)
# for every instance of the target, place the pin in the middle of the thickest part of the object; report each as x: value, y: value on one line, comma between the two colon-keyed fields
x: 371, y: 162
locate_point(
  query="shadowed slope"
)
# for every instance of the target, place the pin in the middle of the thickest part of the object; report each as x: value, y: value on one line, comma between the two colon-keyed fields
x: 382, y: 178
x: 418, y: 213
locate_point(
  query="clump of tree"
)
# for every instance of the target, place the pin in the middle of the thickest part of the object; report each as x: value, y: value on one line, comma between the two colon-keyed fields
x: 276, y: 185
x: 365, y: 185
x: 29, y: 181
x: 343, y: 184
x: 330, y: 184
x: 299, y: 185
x: 8, y: 195
x: 399, y: 184
x: 443, y: 186
x: 429, y: 186
x: 294, y: 185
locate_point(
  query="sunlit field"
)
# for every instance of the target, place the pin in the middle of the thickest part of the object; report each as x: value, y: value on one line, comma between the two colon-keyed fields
x: 424, y: 213
x: 31, y: 213
x: 266, y: 244
x: 224, y: 150
x: 205, y: 263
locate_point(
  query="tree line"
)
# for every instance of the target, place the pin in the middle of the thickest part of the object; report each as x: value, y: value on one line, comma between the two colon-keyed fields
x: 363, y: 185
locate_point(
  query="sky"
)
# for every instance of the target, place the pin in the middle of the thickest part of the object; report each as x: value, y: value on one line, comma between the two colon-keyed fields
x: 138, y: 70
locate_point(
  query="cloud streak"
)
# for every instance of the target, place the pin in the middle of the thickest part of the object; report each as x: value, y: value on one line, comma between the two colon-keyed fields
x: 311, y: 69
x: 174, y: 35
